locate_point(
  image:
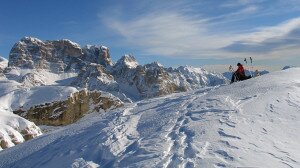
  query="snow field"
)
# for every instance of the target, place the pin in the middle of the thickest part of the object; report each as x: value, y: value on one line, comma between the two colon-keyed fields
x: 254, y: 123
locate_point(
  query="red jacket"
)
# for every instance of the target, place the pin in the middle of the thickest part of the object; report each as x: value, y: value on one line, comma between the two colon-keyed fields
x: 240, y: 70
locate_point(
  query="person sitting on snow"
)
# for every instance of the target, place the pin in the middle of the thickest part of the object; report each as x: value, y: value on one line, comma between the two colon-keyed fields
x: 239, y: 74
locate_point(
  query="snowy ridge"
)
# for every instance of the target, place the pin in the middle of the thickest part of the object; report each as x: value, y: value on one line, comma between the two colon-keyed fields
x: 254, y: 123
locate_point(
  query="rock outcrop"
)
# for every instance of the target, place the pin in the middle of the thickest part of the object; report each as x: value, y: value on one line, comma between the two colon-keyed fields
x: 15, y: 129
x: 57, y: 55
x: 98, y: 54
x: 68, y: 111
x: 95, y: 77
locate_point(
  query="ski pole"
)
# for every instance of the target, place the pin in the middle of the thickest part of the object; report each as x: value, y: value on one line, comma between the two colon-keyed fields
x: 251, y: 66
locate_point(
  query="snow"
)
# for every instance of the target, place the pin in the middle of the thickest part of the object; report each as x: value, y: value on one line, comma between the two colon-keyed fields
x: 12, y: 128
x: 81, y: 163
x: 72, y: 43
x: 15, y: 94
x: 3, y: 63
x: 253, y: 123
x: 195, y: 78
x: 32, y: 39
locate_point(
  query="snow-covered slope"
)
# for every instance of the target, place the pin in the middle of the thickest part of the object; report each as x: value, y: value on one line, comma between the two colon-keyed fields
x: 254, y: 123
x: 15, y: 129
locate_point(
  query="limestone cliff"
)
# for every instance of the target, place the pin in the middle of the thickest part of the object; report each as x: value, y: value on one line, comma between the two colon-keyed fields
x: 68, y: 111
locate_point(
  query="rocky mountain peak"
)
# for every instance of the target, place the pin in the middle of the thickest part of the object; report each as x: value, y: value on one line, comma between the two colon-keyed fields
x: 57, y: 55
x: 127, y: 61
x: 32, y: 40
x: 154, y: 66
x: 98, y: 54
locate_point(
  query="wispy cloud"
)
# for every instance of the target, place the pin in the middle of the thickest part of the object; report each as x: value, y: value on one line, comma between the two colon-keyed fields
x: 167, y: 34
x: 177, y: 33
x: 270, y: 42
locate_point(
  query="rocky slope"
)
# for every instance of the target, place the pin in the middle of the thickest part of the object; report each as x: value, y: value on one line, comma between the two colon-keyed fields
x: 57, y: 55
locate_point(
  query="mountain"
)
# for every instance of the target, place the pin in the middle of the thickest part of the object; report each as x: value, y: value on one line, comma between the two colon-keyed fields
x: 57, y: 82
x: 253, y: 123
x: 56, y: 56
x: 125, y: 79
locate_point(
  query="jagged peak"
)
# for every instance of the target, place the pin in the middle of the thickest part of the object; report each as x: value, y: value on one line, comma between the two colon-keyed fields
x: 31, y: 39
x: 70, y: 42
x: 101, y: 47
x: 191, y: 69
x: 128, y: 60
x: 154, y: 64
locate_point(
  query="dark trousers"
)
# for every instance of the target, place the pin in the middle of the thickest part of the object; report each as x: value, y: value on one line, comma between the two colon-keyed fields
x: 239, y: 77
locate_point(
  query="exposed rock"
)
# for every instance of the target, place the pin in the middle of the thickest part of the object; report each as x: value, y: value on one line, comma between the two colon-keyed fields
x: 57, y: 55
x: 125, y: 63
x: 98, y: 54
x: 189, y: 78
x: 149, y: 80
x: 15, y: 129
x: 68, y: 111
x: 95, y: 77
x: 30, y: 80
x: 96, y: 71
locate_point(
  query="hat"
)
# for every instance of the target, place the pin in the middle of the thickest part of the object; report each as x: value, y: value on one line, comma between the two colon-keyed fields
x: 239, y: 64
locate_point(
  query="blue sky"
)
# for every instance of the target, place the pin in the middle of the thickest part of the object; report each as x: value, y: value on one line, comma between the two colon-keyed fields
x: 214, y: 33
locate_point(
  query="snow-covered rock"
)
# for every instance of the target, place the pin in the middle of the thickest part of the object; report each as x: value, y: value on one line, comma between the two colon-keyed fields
x: 153, y: 79
x: 3, y: 63
x: 125, y: 63
x: 96, y: 71
x: 253, y: 123
x: 57, y: 55
x: 15, y: 129
x: 189, y: 78
x: 95, y: 77
x: 66, y: 110
x: 146, y: 81
x: 81, y: 163
x: 98, y: 54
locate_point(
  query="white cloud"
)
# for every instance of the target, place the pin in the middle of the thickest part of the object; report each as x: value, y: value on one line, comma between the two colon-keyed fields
x: 169, y: 34
x: 176, y: 34
x: 282, y: 40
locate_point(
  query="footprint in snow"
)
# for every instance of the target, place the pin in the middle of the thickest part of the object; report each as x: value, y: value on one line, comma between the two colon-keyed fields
x: 222, y: 133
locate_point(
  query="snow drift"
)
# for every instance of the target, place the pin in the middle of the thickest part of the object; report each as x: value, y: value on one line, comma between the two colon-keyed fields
x: 254, y: 123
